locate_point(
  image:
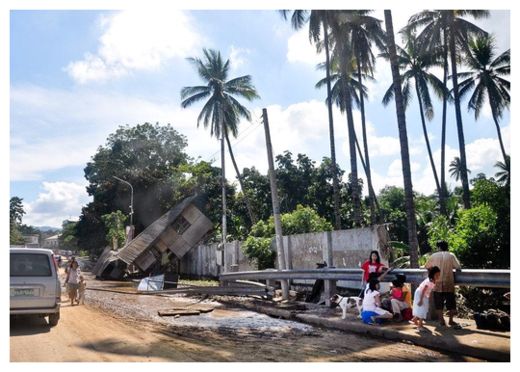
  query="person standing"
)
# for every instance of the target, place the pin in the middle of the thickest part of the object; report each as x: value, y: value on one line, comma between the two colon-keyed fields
x: 72, y: 282
x: 444, y: 291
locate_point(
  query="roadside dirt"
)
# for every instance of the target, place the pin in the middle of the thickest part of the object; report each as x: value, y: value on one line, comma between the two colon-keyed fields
x: 122, y: 327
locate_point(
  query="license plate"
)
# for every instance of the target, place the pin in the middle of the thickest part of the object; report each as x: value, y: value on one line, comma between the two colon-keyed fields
x: 24, y: 292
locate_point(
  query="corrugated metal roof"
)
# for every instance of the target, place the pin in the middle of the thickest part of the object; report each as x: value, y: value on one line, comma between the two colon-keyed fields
x: 148, y: 237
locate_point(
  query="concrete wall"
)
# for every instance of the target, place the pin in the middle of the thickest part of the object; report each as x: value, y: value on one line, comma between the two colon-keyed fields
x: 341, y: 249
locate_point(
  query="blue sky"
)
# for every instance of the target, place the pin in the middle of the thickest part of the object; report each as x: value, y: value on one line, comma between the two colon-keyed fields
x: 77, y: 75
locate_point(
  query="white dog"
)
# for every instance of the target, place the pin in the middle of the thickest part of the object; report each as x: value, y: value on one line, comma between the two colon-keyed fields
x: 346, y: 303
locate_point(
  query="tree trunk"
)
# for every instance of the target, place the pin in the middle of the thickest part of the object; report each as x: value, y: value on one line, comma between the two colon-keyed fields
x: 252, y: 217
x: 502, y: 148
x: 335, y: 183
x: 356, y: 200
x: 443, y: 195
x: 403, y: 139
x: 460, y: 130
x: 368, y: 172
x: 427, y: 140
x: 371, y: 189
x: 223, y: 183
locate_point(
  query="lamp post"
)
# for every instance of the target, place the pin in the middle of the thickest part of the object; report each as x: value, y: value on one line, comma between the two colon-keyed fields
x: 131, y: 199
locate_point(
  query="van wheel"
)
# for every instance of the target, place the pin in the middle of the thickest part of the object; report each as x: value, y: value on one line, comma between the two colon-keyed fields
x: 53, y: 319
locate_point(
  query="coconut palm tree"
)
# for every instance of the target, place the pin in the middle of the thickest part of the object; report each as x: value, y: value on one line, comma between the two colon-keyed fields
x: 319, y: 22
x: 346, y: 94
x: 221, y: 112
x: 403, y: 139
x: 415, y: 64
x: 486, y: 79
x: 450, y: 29
x: 504, y: 171
x: 337, y: 79
x: 362, y: 32
x: 456, y: 168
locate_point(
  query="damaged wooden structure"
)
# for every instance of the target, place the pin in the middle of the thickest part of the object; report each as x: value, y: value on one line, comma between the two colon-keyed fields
x: 177, y: 231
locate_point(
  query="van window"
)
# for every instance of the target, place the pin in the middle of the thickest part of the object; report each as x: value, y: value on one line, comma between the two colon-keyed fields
x: 27, y: 264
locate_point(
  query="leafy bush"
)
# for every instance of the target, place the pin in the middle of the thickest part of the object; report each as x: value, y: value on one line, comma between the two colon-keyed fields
x: 257, y: 246
x: 258, y: 250
x: 115, y: 225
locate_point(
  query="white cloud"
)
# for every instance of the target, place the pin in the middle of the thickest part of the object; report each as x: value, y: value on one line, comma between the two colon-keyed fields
x: 136, y: 39
x: 300, y: 49
x: 238, y: 57
x: 52, y: 129
x: 59, y: 201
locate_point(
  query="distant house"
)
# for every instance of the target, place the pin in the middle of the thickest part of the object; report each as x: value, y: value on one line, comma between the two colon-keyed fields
x: 52, y: 242
x: 177, y: 231
x: 32, y: 241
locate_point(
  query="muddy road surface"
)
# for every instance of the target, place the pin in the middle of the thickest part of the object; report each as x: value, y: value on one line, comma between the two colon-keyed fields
x: 86, y: 333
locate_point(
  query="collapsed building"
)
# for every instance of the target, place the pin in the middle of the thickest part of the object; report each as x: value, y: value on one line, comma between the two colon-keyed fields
x: 175, y: 232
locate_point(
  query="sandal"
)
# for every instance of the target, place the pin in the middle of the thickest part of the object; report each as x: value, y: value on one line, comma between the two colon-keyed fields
x: 456, y: 326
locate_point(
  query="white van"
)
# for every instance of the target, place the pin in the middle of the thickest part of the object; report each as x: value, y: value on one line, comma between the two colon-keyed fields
x: 35, y: 286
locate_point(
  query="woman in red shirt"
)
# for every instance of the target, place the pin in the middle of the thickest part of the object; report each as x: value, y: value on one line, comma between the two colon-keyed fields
x: 371, y: 266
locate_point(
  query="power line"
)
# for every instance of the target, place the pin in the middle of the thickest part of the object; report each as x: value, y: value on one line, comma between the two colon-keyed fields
x: 240, y: 137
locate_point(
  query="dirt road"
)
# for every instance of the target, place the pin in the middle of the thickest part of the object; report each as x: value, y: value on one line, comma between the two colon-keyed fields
x: 85, y: 333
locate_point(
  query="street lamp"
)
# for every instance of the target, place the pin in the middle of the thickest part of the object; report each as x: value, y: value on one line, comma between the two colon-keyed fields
x: 131, y: 199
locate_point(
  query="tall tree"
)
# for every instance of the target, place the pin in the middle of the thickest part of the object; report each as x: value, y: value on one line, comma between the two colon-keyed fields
x: 403, y: 139
x: 222, y: 111
x: 344, y: 93
x: 16, y: 212
x: 363, y: 32
x: 414, y: 64
x: 319, y: 21
x: 486, y: 78
x: 455, y: 31
x: 148, y: 157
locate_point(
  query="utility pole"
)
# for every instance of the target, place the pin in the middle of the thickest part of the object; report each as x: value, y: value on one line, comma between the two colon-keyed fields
x: 223, y: 182
x: 276, y: 206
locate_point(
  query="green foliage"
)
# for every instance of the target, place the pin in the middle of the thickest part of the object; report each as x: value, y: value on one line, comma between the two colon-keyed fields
x: 148, y: 156
x: 257, y: 246
x: 258, y: 251
x: 16, y: 213
x: 440, y: 229
x: 115, y: 225
x: 300, y: 221
x: 475, y: 239
x: 67, y: 237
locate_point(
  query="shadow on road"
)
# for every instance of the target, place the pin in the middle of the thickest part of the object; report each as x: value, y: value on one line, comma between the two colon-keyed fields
x: 23, y: 325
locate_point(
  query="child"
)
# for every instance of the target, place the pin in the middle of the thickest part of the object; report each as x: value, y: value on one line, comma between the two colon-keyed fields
x: 81, y: 290
x: 421, y: 301
x: 397, y: 299
x: 372, y: 311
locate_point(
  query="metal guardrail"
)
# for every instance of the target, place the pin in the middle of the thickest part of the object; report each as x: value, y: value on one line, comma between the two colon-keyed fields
x: 465, y: 277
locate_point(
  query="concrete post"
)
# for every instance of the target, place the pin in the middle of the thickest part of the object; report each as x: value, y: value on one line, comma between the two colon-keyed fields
x: 329, y: 286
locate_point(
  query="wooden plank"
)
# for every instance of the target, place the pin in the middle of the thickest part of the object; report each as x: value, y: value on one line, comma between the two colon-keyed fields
x: 183, y: 312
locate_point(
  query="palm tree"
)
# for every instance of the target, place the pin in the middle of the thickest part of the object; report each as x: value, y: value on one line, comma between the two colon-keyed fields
x: 318, y: 20
x: 486, y: 78
x: 222, y: 111
x: 504, y: 173
x: 403, y: 139
x: 415, y: 64
x: 448, y: 28
x: 456, y: 168
x: 346, y: 93
x: 362, y: 31
x: 337, y: 79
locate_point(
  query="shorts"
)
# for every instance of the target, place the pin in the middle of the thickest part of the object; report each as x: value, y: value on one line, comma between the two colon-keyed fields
x: 440, y: 297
